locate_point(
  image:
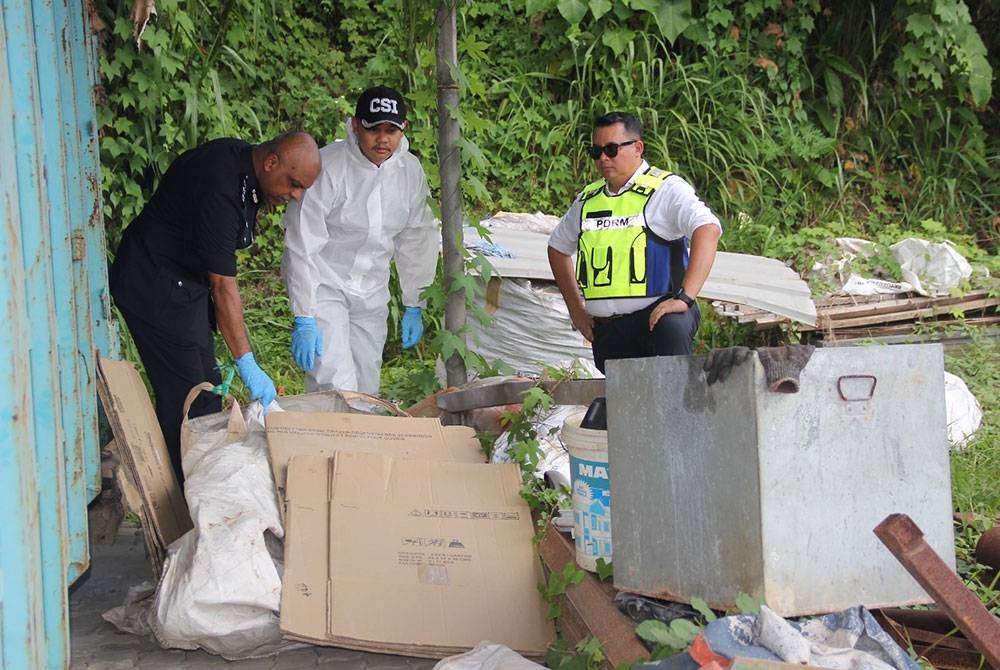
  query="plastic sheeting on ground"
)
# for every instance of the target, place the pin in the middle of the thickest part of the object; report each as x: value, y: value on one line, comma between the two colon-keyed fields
x: 928, y: 268
x: 554, y: 459
x: 488, y: 656
x: 846, y: 640
x: 933, y: 268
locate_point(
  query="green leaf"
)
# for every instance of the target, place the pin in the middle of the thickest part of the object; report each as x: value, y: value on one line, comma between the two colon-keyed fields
x: 672, y: 16
x: 572, y: 10
x: 702, y: 607
x: 659, y: 633
x: 599, y: 8
x: 920, y: 25
x: 618, y: 40
x: 747, y: 604
x: 834, y: 89
x: 605, y: 569
x: 685, y: 629
x: 532, y: 7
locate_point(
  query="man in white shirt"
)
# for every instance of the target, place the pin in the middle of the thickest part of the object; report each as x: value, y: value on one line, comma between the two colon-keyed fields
x: 644, y: 245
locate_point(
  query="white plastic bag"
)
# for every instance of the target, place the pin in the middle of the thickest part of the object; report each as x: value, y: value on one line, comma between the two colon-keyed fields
x: 933, y: 268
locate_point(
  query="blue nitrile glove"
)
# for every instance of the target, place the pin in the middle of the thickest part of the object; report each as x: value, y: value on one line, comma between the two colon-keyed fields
x: 256, y: 380
x: 413, y: 326
x: 307, y: 342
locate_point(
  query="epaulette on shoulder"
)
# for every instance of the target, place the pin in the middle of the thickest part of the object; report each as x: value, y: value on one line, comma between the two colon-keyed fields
x: 649, y: 181
x: 591, y: 189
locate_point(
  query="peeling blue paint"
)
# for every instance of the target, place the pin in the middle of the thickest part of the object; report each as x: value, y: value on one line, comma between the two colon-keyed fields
x: 55, y: 317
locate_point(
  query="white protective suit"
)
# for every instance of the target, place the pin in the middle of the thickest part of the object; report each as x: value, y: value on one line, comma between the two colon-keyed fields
x: 338, y: 242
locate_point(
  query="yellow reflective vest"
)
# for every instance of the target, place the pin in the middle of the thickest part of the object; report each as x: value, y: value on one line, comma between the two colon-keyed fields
x: 618, y: 256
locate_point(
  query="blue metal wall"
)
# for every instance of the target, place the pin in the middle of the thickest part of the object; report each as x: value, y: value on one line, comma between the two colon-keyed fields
x: 54, y: 315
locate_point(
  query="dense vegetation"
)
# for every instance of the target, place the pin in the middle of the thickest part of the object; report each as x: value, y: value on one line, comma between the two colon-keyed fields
x: 797, y: 120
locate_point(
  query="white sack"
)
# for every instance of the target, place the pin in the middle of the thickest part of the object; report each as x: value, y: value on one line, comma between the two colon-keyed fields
x: 963, y: 410
x: 933, y: 268
x: 221, y: 583
x: 530, y: 329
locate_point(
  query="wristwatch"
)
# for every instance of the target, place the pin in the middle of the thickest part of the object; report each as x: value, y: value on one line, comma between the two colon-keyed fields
x: 684, y: 297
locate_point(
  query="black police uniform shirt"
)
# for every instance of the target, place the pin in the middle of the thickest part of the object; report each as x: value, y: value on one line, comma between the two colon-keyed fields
x: 203, y: 210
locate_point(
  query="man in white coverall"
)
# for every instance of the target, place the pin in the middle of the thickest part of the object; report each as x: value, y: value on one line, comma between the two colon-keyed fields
x: 368, y: 205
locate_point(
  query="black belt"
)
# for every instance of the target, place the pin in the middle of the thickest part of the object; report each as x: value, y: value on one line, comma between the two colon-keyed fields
x: 605, y: 320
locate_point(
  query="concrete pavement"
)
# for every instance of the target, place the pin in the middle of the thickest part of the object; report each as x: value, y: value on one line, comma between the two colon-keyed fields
x: 97, y: 645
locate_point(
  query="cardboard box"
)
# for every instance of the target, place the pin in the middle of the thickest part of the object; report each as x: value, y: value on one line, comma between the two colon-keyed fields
x: 147, y: 469
x: 320, y: 433
x: 415, y: 557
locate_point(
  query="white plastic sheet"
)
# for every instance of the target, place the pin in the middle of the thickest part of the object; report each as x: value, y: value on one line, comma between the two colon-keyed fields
x: 488, y: 656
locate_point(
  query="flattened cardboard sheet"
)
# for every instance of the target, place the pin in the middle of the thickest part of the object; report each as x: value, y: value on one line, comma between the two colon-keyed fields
x: 412, y: 557
x: 321, y: 433
x: 144, y: 454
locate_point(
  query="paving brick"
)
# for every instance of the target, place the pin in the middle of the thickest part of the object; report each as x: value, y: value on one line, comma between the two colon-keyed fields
x: 163, y: 659
x: 390, y: 662
x: 200, y: 660
x: 335, y: 657
x: 293, y: 659
x: 112, y: 659
x: 110, y: 665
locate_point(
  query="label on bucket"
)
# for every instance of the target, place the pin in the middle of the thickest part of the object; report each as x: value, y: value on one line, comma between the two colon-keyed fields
x: 591, y: 511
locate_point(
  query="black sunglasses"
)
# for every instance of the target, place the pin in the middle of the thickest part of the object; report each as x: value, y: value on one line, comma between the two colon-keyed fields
x: 611, y: 149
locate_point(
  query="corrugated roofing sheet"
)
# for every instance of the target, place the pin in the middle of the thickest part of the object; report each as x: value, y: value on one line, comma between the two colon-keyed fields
x: 743, y: 279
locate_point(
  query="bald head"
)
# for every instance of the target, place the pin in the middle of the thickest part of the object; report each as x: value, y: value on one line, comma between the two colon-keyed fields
x: 286, y: 166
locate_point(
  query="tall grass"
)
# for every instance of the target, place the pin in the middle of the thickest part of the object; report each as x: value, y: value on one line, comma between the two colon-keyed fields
x: 975, y: 466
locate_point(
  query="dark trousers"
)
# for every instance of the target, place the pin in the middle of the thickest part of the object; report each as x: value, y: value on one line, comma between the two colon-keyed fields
x: 628, y: 335
x: 175, y: 365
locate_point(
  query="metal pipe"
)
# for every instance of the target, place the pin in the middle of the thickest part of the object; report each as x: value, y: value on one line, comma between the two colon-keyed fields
x: 906, y: 541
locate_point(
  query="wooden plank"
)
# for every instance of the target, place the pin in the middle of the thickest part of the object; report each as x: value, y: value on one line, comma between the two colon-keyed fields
x: 849, y: 311
x: 909, y: 328
x: 588, y: 608
x: 826, y: 323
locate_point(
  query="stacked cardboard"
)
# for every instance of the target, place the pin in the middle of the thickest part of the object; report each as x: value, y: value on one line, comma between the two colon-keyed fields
x: 291, y: 434
x: 399, y: 539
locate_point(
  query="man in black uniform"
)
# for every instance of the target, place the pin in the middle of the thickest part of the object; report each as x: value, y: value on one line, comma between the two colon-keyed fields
x: 174, y: 273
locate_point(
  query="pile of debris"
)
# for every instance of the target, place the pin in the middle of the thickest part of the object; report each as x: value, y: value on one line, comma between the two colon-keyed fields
x: 327, y: 524
x: 333, y: 526
x: 933, y: 298
x: 902, y: 316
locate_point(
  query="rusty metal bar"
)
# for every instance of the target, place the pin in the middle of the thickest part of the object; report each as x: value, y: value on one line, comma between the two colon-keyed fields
x: 905, y: 540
